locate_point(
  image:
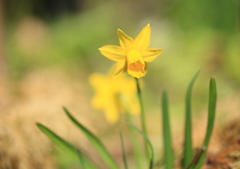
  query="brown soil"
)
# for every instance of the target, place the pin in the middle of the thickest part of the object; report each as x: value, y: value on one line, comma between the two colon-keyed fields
x: 228, y: 156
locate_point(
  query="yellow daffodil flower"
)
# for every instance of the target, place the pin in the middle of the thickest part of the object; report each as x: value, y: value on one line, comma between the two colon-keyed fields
x: 132, y: 54
x: 114, y: 95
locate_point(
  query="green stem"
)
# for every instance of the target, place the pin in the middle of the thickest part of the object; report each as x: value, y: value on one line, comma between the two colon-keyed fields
x: 142, y: 115
x: 138, y: 155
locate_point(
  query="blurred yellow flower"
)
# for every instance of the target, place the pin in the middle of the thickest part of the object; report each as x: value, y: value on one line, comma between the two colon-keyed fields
x: 132, y: 54
x: 114, y: 95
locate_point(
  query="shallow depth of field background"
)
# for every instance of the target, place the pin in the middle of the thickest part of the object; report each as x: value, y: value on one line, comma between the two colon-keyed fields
x: 48, y: 49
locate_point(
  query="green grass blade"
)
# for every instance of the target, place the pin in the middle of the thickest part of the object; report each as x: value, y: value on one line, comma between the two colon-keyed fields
x: 81, y: 159
x: 68, y: 148
x: 123, y: 152
x: 188, y: 150
x: 147, y: 141
x: 211, y: 116
x: 168, y: 151
x: 107, y: 158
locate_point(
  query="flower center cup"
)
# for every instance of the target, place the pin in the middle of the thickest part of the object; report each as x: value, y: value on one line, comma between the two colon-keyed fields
x: 135, y: 63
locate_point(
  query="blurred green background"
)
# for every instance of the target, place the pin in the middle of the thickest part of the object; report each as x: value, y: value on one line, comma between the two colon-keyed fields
x: 48, y: 48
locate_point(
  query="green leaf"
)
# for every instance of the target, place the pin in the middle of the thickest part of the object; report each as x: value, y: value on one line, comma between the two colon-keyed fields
x: 107, y: 158
x: 67, y: 147
x: 211, y: 116
x: 123, y: 152
x: 188, y: 151
x: 168, y: 151
x: 81, y: 159
x: 147, y: 141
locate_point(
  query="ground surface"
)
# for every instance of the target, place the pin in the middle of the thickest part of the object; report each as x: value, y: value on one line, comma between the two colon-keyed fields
x: 38, y: 97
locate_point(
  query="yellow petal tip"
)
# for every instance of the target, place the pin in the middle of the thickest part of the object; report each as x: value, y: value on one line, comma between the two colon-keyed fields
x: 119, y: 30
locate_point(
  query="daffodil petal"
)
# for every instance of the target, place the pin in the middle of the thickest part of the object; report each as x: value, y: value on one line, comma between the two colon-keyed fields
x: 150, y: 54
x: 125, y: 41
x: 111, y: 114
x: 119, y: 68
x: 97, y: 102
x: 142, y: 41
x: 115, y: 53
x: 95, y: 79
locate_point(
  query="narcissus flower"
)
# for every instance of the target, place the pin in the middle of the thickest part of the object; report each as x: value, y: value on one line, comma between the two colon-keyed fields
x: 133, y: 54
x: 114, y: 95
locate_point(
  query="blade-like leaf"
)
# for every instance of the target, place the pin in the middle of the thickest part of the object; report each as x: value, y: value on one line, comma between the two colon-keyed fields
x: 66, y: 147
x: 188, y: 151
x: 95, y: 142
x: 168, y: 151
x: 81, y: 159
x: 147, y: 141
x: 211, y: 116
x: 123, y: 152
